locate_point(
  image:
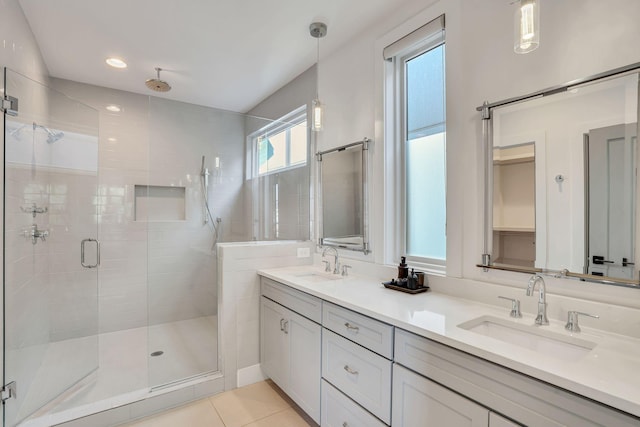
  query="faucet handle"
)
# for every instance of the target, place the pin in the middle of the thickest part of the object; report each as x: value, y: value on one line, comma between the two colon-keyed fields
x: 344, y: 269
x: 572, y: 320
x: 515, y: 306
x: 327, y: 267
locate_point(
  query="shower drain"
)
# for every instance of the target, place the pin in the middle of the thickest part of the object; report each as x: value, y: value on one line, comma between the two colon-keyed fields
x: 157, y: 353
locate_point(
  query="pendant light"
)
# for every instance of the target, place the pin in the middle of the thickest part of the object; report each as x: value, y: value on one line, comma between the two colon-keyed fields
x: 527, y: 26
x: 317, y: 31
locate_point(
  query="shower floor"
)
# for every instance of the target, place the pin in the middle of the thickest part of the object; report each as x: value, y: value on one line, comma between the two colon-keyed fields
x: 126, y: 370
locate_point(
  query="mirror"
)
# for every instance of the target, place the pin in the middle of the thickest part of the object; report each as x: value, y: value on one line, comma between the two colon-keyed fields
x: 561, y: 180
x: 342, y: 189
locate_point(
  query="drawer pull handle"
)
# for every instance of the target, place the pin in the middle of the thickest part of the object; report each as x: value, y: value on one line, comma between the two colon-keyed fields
x: 281, y: 324
x: 349, y: 370
x: 351, y: 327
x: 286, y: 327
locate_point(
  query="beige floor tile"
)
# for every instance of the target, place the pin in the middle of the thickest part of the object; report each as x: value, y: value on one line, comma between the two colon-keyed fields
x: 287, y: 418
x: 251, y: 403
x: 198, y: 414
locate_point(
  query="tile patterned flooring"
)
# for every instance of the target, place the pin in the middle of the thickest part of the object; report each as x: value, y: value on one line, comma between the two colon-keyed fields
x: 258, y: 405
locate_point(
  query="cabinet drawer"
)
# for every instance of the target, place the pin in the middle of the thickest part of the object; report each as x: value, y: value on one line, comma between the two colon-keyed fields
x: 372, y: 334
x: 303, y: 304
x: 338, y: 410
x: 359, y: 373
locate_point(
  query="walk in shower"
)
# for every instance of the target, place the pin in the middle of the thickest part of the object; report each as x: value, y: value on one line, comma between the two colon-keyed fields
x: 110, y: 267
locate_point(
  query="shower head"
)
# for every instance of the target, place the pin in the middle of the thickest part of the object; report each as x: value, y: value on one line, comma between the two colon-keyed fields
x: 157, y: 84
x: 52, y: 135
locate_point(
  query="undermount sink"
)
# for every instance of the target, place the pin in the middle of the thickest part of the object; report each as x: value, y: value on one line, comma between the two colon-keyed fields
x: 531, y: 337
x: 315, y: 276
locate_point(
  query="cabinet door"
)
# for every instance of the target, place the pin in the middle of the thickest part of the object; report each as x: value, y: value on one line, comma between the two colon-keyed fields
x: 304, y: 357
x: 496, y: 420
x: 274, y: 343
x: 418, y: 401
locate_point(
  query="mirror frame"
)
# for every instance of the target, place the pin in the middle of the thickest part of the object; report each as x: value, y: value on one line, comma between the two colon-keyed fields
x: 365, y: 197
x: 486, y: 110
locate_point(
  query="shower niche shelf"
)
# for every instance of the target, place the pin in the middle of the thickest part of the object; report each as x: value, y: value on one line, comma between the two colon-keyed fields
x: 154, y: 203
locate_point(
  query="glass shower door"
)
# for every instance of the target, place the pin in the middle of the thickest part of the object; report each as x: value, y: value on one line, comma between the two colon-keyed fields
x: 51, y: 252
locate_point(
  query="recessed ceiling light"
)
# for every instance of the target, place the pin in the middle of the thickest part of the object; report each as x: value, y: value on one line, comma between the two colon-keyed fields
x: 114, y: 108
x: 112, y: 139
x: 116, y: 62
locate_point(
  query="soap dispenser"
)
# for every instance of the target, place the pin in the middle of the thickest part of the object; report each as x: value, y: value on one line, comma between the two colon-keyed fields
x: 403, y: 270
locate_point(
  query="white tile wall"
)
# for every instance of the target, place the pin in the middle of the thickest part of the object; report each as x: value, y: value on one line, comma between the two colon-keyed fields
x: 238, y: 264
x: 162, y: 271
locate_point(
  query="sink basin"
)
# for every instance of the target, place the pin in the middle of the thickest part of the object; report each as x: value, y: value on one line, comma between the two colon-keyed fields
x: 531, y: 337
x: 314, y: 276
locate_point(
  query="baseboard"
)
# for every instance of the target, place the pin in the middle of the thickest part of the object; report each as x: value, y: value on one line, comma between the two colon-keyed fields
x: 250, y: 375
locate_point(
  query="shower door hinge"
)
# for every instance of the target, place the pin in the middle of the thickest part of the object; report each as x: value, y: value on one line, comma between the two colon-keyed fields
x: 8, y: 391
x: 10, y: 105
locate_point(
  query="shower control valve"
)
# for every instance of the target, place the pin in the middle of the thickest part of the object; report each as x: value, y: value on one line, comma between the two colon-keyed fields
x: 34, y: 234
x: 34, y: 210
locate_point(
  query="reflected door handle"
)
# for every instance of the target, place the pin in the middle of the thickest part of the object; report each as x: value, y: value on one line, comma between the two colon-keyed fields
x: 599, y: 260
x: 82, y: 245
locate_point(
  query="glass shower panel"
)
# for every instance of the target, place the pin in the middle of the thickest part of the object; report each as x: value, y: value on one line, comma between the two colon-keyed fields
x: 194, y: 200
x: 50, y: 200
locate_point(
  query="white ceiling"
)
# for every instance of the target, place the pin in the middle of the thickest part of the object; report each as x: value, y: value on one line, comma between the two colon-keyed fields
x: 228, y: 54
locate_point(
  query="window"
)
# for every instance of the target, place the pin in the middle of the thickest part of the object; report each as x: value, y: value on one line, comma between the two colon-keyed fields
x: 416, y: 67
x: 282, y: 145
x: 280, y: 178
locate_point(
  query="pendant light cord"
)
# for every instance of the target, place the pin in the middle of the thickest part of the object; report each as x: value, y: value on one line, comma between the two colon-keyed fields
x: 318, y: 68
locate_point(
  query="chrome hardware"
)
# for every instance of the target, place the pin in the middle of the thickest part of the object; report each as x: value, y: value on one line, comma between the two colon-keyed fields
x: 9, y: 391
x: 82, y: 244
x: 344, y: 270
x: 286, y: 327
x: 349, y: 370
x: 336, y: 264
x: 34, y: 209
x: 34, y: 234
x: 327, y: 266
x: 626, y: 263
x: 10, y: 105
x: 486, y: 260
x: 515, y: 306
x: 541, y: 318
x: 572, y: 320
x: 351, y: 327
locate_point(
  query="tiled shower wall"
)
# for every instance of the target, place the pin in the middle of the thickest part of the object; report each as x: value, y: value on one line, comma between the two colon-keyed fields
x: 161, y: 271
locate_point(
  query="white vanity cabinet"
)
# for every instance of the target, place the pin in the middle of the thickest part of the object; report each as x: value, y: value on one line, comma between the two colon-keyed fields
x: 290, y: 343
x: 357, y: 354
x: 516, y: 396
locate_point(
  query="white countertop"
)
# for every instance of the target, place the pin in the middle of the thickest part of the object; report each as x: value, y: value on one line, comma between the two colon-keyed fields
x: 610, y: 373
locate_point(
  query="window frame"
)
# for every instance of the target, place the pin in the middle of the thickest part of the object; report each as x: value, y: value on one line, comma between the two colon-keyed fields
x: 284, y: 124
x: 396, y: 179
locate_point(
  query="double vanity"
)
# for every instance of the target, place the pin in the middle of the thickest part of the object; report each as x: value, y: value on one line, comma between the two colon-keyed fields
x: 351, y: 353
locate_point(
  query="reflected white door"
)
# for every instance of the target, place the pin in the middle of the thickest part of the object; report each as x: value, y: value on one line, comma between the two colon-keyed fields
x: 611, y: 200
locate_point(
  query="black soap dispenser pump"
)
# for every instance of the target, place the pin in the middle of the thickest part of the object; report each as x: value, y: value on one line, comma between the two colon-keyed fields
x: 403, y: 270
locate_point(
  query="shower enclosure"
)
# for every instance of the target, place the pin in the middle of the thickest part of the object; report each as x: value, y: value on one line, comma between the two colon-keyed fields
x: 110, y: 267
x: 50, y: 244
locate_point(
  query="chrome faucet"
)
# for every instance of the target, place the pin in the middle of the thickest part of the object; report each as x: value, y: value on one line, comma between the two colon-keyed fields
x: 336, y: 265
x: 541, y: 318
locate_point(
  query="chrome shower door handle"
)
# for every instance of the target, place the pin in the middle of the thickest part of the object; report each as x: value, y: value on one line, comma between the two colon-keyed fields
x: 82, y: 245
